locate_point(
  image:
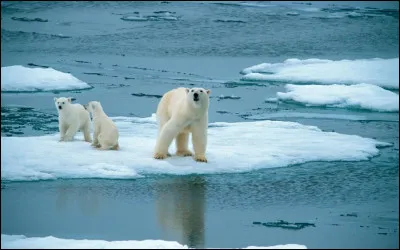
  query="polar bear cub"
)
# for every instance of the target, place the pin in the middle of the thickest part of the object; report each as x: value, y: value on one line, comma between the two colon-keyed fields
x: 71, y: 119
x: 105, y: 132
x: 182, y: 111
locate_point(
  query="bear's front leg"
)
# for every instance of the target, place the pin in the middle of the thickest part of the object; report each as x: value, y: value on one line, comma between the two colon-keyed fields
x: 86, y: 133
x: 199, y: 140
x: 95, y: 142
x: 169, y: 131
x: 70, y: 133
x: 62, y: 129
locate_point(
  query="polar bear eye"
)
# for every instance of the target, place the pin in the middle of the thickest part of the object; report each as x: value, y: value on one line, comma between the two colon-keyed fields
x: 63, y: 102
x: 201, y: 91
x: 192, y: 90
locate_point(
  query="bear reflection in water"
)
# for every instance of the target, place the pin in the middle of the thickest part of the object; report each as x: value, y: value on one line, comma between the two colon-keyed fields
x: 180, y: 209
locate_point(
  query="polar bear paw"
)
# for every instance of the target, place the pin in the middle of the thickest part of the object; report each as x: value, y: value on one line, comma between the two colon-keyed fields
x: 200, y: 158
x: 184, y: 153
x: 161, y: 156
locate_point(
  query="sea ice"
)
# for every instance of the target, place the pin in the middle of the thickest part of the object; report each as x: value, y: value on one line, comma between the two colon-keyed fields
x: 232, y: 148
x: 20, y: 78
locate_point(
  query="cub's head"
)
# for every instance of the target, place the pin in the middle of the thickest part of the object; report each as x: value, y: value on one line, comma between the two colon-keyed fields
x: 198, y: 96
x: 62, y: 102
x: 93, y: 106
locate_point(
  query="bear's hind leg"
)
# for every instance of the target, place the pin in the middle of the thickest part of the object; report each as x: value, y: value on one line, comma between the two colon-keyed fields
x: 162, y: 120
x: 182, y: 142
x: 169, y: 131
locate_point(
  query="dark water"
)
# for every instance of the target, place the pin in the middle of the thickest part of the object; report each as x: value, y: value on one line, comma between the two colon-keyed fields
x: 133, y: 52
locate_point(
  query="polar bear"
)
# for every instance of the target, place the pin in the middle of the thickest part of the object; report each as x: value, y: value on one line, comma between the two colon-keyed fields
x: 105, y: 132
x: 71, y: 118
x: 182, y: 111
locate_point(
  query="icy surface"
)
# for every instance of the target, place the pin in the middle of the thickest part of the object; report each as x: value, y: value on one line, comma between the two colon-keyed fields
x: 364, y: 96
x: 232, y: 148
x: 381, y: 72
x: 20, y: 78
x: 23, y: 242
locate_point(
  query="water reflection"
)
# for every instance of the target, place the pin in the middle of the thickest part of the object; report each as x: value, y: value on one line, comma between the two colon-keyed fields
x: 180, y: 209
x: 84, y: 197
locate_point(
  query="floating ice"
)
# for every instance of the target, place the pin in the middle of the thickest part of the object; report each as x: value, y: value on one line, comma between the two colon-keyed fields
x: 292, y: 13
x: 20, y: 78
x: 232, y: 97
x: 134, y: 18
x: 159, y: 16
x: 381, y: 72
x: 275, y: 115
x: 232, y: 148
x: 364, y: 96
x: 23, y: 242
x: 27, y: 19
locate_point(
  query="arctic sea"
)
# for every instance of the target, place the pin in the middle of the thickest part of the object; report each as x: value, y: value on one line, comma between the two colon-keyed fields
x: 303, y: 124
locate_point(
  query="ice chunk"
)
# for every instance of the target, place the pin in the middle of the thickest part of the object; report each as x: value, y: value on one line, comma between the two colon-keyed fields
x: 381, y: 72
x: 364, y: 96
x: 20, y: 78
x: 232, y: 148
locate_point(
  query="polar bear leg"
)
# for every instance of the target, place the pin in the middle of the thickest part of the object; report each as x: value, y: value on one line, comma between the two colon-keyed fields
x: 182, y: 141
x: 103, y: 143
x: 70, y: 133
x: 199, y: 140
x: 62, y: 129
x: 95, y: 142
x: 162, y: 120
x: 169, y: 131
x: 86, y: 132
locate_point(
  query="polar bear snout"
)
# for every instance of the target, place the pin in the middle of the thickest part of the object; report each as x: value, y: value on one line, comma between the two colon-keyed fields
x: 59, y: 107
x: 196, y: 97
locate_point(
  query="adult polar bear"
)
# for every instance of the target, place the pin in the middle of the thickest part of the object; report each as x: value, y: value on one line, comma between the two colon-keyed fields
x: 71, y: 118
x: 180, y: 112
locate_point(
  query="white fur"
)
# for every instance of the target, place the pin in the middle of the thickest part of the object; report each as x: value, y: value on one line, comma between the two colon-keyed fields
x: 105, y: 132
x: 177, y: 116
x: 71, y: 119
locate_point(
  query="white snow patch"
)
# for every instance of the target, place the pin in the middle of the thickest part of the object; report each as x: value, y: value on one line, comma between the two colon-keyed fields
x: 381, y: 72
x: 23, y: 242
x: 232, y: 148
x: 364, y: 96
x: 20, y: 78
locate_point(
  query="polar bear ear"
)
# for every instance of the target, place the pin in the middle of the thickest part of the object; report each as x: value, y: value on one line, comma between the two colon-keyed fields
x: 208, y: 91
x: 187, y: 90
x: 93, y: 105
x: 70, y: 99
x: 55, y: 99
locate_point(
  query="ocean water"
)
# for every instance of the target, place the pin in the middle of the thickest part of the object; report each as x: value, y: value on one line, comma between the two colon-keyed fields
x: 130, y: 53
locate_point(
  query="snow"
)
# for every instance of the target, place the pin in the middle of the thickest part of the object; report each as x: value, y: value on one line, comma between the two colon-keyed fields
x: 381, y: 72
x: 20, y: 78
x: 23, y: 242
x: 232, y: 148
x: 362, y: 96
x: 20, y: 241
